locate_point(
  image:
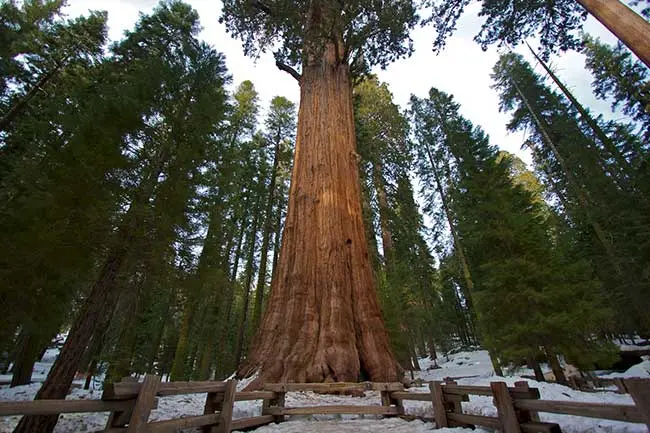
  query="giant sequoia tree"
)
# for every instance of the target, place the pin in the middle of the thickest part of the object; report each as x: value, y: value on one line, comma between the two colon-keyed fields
x: 323, y: 321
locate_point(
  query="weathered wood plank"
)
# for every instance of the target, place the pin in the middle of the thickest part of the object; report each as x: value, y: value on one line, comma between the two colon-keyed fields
x: 255, y: 395
x: 334, y: 387
x: 144, y: 404
x: 414, y: 396
x: 505, y: 408
x: 129, y: 390
x: 639, y: 389
x: 525, y: 416
x: 616, y: 412
x: 244, y: 423
x: 466, y: 390
x: 438, y: 401
x: 487, y: 391
x: 279, y: 402
x: 335, y: 409
x: 385, y: 398
x: 211, y: 406
x: 540, y: 427
x: 463, y: 419
x: 385, y: 386
x: 173, y: 425
x: 456, y: 400
x: 55, y: 407
x: 227, y: 407
x: 317, y: 387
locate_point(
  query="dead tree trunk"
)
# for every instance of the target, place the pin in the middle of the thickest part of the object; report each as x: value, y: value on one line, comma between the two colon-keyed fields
x: 323, y: 321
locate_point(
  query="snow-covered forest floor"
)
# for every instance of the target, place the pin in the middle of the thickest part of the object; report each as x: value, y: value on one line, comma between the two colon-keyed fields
x: 472, y: 368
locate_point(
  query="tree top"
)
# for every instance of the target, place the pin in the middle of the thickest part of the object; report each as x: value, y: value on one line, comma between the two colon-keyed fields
x: 366, y: 32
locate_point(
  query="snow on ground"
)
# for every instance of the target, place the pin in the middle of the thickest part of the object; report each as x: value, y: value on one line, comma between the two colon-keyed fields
x: 475, y: 368
x: 639, y: 370
x: 468, y: 368
x: 457, y: 365
x: 393, y: 425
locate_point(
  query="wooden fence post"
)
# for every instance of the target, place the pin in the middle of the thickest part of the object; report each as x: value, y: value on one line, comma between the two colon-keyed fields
x: 213, y: 403
x: 280, y: 402
x: 505, y: 408
x: 388, y: 401
x: 639, y: 389
x: 119, y: 418
x: 438, y: 401
x: 525, y: 415
x: 144, y: 404
x: 456, y: 403
x: 620, y: 385
x: 227, y: 406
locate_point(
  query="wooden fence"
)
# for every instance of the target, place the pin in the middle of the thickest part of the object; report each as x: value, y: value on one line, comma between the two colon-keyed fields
x: 131, y: 403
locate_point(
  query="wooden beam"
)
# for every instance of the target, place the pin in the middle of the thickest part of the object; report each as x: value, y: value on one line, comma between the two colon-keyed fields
x: 466, y: 390
x: 55, y: 407
x: 463, y: 419
x: 334, y: 386
x: 487, y: 391
x: 505, y: 408
x: 335, y: 409
x: 616, y: 412
x: 144, y: 404
x: 173, y: 425
x: 525, y: 416
x: 414, y: 396
x: 129, y: 390
x: 213, y: 403
x: 227, y: 407
x: 255, y: 395
x: 540, y: 427
x: 639, y: 389
x: 244, y: 423
x: 438, y: 401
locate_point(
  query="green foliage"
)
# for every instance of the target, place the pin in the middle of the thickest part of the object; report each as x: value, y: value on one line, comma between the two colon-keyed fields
x: 369, y: 33
x: 607, y: 212
x: 619, y: 76
x: 522, y: 279
x: 508, y: 22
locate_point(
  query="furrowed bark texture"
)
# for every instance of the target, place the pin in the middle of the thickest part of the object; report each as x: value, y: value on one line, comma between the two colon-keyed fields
x: 323, y: 321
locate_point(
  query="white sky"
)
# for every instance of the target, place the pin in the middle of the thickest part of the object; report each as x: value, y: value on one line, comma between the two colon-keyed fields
x: 463, y: 69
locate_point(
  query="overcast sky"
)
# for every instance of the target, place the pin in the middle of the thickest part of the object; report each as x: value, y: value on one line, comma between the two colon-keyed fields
x: 462, y: 69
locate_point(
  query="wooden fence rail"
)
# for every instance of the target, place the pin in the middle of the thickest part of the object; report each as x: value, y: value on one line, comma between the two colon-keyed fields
x: 130, y: 405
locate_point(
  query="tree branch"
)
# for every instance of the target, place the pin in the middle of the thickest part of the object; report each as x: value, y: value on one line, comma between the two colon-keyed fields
x: 288, y: 69
x: 262, y: 7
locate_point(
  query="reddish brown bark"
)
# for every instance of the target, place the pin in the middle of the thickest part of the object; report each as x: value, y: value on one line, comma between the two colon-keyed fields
x: 323, y: 321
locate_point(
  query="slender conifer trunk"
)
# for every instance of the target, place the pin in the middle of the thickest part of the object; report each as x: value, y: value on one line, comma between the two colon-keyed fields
x: 266, y: 237
x: 323, y: 321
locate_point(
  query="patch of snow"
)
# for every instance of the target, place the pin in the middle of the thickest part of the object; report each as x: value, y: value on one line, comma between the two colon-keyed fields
x: 457, y: 365
x: 640, y: 370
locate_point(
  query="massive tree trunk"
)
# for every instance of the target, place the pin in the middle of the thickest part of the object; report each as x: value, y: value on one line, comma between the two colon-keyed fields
x: 628, y: 26
x: 323, y: 321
